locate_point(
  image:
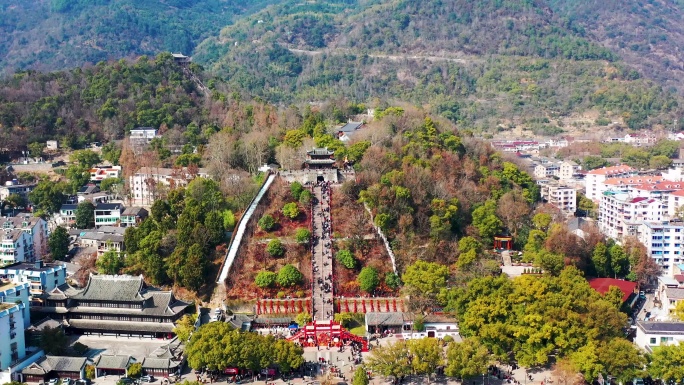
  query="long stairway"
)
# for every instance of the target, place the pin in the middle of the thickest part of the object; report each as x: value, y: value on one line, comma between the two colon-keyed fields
x: 321, y: 253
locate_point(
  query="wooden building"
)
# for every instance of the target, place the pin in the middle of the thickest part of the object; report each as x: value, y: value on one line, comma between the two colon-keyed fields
x: 48, y: 367
x: 108, y: 365
x: 120, y: 305
x: 320, y: 158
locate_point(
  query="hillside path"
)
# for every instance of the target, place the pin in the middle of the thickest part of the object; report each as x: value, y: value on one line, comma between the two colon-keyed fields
x: 321, y: 287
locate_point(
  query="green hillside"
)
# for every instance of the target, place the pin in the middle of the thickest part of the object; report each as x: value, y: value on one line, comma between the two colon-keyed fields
x: 487, y: 64
x: 56, y: 34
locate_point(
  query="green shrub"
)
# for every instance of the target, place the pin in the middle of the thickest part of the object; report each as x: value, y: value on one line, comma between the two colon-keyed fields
x: 266, y: 222
x: 289, y: 276
x: 265, y: 279
x: 296, y: 190
x: 346, y: 259
x: 275, y: 248
x: 368, y: 279
x: 291, y: 210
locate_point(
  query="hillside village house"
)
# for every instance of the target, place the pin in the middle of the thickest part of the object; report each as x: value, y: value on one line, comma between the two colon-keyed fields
x: 559, y: 195
x: 119, y: 305
x: 14, y: 187
x: 15, y: 246
x: 620, y: 213
x: 103, y: 239
x: 149, y: 183
x: 100, y: 173
x: 594, y: 179
x: 108, y: 214
x: 650, y: 335
x: 133, y: 216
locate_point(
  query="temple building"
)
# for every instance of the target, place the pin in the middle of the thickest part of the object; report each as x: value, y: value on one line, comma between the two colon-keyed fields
x: 320, y: 158
x: 114, y: 305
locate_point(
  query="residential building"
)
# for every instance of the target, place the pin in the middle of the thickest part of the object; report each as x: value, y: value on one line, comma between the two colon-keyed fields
x: 674, y: 174
x: 558, y: 142
x: 640, y: 139
x: 561, y: 196
x: 12, y: 344
x: 517, y: 145
x: 546, y: 170
x: 15, y: 246
x: 103, y: 239
x: 61, y: 367
x: 664, y: 242
x: 140, y: 310
x: 150, y: 183
x: 133, y: 216
x: 35, y: 227
x: 621, y: 213
x: 595, y: 178
x: 670, y: 297
x: 675, y: 200
x: 40, y: 276
x: 675, y: 136
x: 650, y: 335
x: 108, y: 214
x: 140, y: 138
x: 100, y: 173
x: 11, y: 292
x: 568, y: 169
x: 14, y: 187
x: 626, y: 183
x: 67, y: 215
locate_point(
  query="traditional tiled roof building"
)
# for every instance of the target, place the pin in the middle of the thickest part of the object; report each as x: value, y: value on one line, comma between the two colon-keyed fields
x: 115, y: 304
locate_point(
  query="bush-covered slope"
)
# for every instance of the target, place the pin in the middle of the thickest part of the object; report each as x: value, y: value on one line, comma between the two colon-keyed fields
x: 483, y: 64
x: 56, y: 34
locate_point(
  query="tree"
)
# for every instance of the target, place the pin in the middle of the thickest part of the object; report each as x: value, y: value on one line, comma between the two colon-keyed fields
x: 392, y: 280
x: 86, y: 158
x: 48, y: 196
x: 303, y: 318
x: 360, y: 376
x: 110, y: 184
x: 678, y: 312
x: 390, y: 360
x: 346, y: 259
x: 192, y: 272
x: 266, y: 222
x: 287, y: 356
x: 289, y: 276
x: 302, y: 236
x: 426, y: 277
x: 466, y: 359
x: 185, y: 326
x: 430, y: 352
x: 296, y: 189
x: 265, y: 279
x: 660, y: 162
x: 15, y: 201
x: 305, y: 197
x: 229, y: 220
x: 542, y: 221
x: 53, y: 341
x: 368, y: 279
x: 601, y: 260
x: 614, y: 296
x: 618, y: 261
x: 275, y: 248
x: 58, y: 243
x: 135, y: 370
x: 513, y: 208
x: 90, y: 372
x: 486, y: 221
x: 667, y: 363
x: 622, y: 359
x: 587, y: 362
x: 85, y: 215
x: 36, y: 149
x: 291, y: 210
x: 110, y: 263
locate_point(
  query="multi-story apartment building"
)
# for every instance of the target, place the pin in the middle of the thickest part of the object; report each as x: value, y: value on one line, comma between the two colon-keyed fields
x: 150, y: 183
x: 546, y: 170
x: 12, y: 323
x: 15, y: 246
x: 568, y: 169
x: 561, y: 196
x: 108, y: 214
x: 13, y: 292
x: 620, y: 213
x: 664, y: 242
x: 594, y: 180
x: 675, y: 201
x: 40, y: 277
x: 35, y: 227
x: 14, y: 187
x: 67, y: 215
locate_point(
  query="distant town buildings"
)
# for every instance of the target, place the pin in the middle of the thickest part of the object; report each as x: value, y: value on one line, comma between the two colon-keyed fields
x: 100, y: 173
x: 561, y: 196
x: 14, y: 187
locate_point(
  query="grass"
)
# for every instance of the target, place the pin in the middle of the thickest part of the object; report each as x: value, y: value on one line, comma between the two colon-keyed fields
x: 359, y: 331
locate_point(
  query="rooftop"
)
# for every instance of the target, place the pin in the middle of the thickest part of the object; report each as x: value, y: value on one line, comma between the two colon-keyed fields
x: 26, y: 266
x: 46, y: 364
x: 107, y: 361
x: 613, y: 170
x: 674, y: 293
x: 657, y: 327
x: 351, y: 127
x: 602, y: 285
x: 135, y: 211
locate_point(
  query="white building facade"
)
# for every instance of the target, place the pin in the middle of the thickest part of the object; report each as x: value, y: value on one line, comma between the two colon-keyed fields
x: 650, y: 335
x: 151, y: 183
x: 594, y: 179
x: 620, y: 213
x: 664, y: 242
x: 561, y: 196
x: 40, y: 277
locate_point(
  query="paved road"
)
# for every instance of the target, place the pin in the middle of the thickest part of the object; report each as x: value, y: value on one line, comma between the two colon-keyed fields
x: 322, y: 255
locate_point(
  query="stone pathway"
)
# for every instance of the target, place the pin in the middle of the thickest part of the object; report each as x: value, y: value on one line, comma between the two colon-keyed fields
x: 322, y: 290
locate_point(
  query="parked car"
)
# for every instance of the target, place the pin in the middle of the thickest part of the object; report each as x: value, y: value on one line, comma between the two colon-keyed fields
x: 67, y: 381
x: 82, y: 381
x: 126, y: 380
x: 53, y: 381
x: 147, y: 378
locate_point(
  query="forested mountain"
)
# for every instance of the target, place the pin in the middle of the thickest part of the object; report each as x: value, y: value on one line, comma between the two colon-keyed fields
x: 484, y: 64
x: 56, y: 34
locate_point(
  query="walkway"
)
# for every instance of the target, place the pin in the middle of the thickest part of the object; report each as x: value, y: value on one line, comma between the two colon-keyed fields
x: 321, y: 254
